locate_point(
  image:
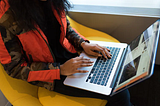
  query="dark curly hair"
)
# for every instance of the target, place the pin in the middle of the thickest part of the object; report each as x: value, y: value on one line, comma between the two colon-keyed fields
x: 29, y: 11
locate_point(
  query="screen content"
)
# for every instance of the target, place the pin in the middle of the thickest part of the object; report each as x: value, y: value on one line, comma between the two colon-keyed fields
x: 139, y: 57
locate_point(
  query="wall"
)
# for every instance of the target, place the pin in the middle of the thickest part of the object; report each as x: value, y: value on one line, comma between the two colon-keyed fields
x: 120, y: 3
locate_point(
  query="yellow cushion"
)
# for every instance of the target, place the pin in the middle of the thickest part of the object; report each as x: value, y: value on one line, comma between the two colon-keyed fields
x: 27, y: 101
x: 90, y: 33
x: 50, y: 98
x: 18, y: 91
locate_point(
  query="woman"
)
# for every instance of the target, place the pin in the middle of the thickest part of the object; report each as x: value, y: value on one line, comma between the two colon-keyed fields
x: 38, y: 45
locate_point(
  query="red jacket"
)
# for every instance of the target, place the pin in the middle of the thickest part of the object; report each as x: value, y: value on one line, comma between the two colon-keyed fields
x: 34, y: 45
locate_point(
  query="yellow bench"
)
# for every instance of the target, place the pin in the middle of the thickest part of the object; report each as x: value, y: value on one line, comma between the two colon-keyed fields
x: 21, y: 93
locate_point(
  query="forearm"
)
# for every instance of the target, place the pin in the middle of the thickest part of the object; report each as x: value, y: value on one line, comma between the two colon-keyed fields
x: 36, y: 71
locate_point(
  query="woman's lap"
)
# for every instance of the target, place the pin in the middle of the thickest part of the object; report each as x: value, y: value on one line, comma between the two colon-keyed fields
x: 120, y: 99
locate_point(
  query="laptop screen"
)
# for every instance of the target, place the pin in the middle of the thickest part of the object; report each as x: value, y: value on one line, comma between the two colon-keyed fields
x: 140, y: 58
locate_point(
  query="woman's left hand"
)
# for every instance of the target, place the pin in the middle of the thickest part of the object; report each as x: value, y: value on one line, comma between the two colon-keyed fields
x: 91, y: 48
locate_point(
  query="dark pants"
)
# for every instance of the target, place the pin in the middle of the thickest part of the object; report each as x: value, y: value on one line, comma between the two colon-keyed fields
x: 120, y: 99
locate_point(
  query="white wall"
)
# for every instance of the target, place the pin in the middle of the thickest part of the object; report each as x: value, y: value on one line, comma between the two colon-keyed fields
x: 147, y: 8
x: 121, y: 3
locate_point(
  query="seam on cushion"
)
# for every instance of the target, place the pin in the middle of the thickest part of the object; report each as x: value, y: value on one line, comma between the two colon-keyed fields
x: 26, y: 96
x: 104, y: 102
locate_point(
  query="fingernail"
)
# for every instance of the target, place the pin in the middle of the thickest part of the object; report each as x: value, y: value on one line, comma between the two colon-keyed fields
x: 99, y: 55
x: 89, y: 64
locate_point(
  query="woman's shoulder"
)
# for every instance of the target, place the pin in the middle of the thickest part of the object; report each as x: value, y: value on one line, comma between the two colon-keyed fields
x: 4, y: 6
x: 6, y: 14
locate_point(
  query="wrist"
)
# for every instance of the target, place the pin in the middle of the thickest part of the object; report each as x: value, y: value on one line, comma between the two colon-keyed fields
x: 83, y: 43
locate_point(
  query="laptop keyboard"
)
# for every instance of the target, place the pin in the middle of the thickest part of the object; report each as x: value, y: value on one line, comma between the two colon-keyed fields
x: 102, y: 68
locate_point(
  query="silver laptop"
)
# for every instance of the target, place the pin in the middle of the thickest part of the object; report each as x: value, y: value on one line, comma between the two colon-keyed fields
x: 129, y: 65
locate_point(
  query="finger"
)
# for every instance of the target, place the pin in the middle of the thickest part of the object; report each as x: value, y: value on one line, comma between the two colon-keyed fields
x: 78, y: 58
x: 108, y: 49
x: 109, y: 55
x: 103, y: 50
x: 83, y: 65
x: 107, y: 52
x: 81, y: 71
x: 95, y: 53
x: 84, y: 60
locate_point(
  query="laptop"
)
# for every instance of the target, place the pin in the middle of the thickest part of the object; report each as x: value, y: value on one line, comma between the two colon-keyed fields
x: 130, y: 64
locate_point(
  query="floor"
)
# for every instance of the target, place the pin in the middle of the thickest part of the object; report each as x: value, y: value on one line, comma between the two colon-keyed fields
x: 147, y: 93
x: 3, y: 100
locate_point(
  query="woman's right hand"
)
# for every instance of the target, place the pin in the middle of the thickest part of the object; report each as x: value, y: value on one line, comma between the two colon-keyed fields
x: 71, y: 66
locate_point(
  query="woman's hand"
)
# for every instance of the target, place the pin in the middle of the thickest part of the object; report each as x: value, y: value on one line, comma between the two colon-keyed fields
x: 91, y: 48
x: 71, y: 66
